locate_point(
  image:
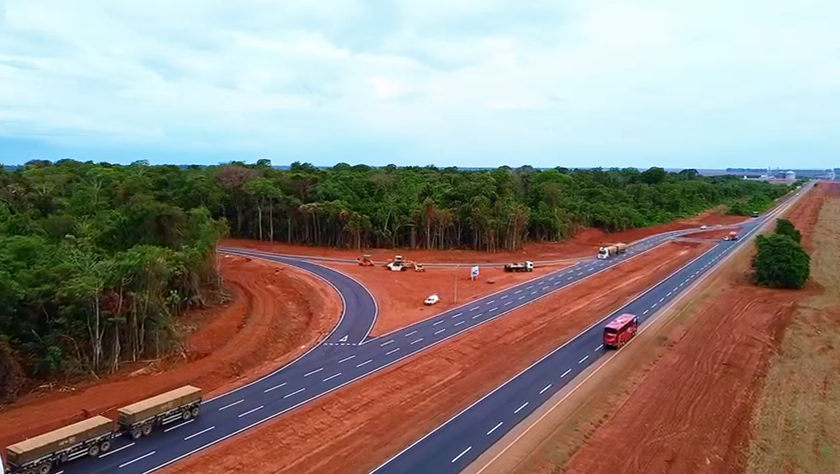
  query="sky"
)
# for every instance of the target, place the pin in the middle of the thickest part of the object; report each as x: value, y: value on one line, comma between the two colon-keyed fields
x: 673, y: 83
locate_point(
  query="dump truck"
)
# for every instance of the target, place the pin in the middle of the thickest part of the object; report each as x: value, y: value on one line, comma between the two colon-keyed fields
x: 732, y: 236
x: 611, y: 250
x: 140, y: 418
x: 526, y: 266
x: 92, y: 437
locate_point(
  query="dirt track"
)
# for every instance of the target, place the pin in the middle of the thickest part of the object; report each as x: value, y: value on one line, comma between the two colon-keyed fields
x: 691, y: 412
x: 276, y: 313
x: 584, y: 243
x: 358, y: 427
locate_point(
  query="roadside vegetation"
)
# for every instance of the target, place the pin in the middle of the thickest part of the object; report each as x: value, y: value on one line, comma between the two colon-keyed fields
x: 780, y: 260
x: 796, y: 423
x: 98, y: 260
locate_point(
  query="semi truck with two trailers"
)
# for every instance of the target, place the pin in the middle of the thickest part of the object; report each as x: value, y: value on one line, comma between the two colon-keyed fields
x: 93, y: 436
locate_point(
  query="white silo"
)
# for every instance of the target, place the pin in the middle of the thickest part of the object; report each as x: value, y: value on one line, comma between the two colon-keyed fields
x: 790, y: 176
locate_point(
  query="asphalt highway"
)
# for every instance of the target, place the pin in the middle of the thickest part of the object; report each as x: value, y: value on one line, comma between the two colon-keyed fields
x: 349, y: 354
x: 458, y: 442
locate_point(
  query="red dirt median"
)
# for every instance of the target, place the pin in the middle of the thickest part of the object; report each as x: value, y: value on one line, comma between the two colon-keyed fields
x: 360, y: 426
x: 275, y: 315
x: 400, y: 295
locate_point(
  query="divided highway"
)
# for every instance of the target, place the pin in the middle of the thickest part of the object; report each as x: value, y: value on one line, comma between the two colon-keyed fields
x: 349, y: 354
x: 346, y: 355
x: 458, y: 442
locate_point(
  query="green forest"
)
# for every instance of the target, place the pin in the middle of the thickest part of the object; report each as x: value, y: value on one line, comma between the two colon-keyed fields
x: 97, y: 260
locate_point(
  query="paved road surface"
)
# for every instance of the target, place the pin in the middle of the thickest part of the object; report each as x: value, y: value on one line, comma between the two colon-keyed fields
x: 347, y: 355
x: 462, y: 439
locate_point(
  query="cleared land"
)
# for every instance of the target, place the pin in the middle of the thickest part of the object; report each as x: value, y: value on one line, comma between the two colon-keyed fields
x: 275, y: 314
x: 356, y: 428
x: 400, y: 295
x: 681, y: 398
x: 796, y: 424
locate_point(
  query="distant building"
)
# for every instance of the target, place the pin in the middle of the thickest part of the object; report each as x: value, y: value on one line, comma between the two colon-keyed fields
x: 790, y: 176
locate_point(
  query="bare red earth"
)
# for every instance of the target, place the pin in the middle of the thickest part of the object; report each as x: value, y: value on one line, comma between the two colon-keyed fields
x: 691, y: 413
x: 276, y: 314
x: 360, y: 426
x: 400, y: 295
x: 584, y: 243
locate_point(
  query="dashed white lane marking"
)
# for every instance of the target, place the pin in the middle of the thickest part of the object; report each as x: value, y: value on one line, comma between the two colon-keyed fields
x: 411, y: 333
x: 477, y: 315
x: 205, y: 430
x: 435, y: 324
x: 473, y: 309
x: 415, y: 342
x: 504, y: 296
x: 313, y: 372
x: 521, y: 297
x: 346, y: 359
x: 274, y: 387
x: 545, y: 388
x: 386, y: 343
x: 494, y: 308
x: 599, y: 347
x: 529, y: 287
x: 331, y: 377
x: 490, y: 302
x: 661, y: 299
x: 509, y: 302
x: 392, y: 351
x: 569, y: 278
x: 495, y: 428
x: 654, y: 305
x: 115, y: 450
x: 669, y: 294
x: 520, y: 408
x: 584, y: 358
x: 232, y: 404
x: 565, y: 373
x: 167, y: 430
x: 460, y: 323
x: 136, y: 459
x: 251, y: 411
x: 533, y: 293
x: 517, y: 292
x: 365, y: 362
x: 294, y: 393
x: 439, y: 331
x: 453, y: 317
x: 645, y: 311
x: 462, y: 453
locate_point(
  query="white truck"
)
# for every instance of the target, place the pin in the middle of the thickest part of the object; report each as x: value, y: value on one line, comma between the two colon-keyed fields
x: 611, y: 250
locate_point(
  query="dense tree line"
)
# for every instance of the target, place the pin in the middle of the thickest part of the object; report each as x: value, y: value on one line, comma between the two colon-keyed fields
x: 96, y: 260
x: 95, y: 263
x: 434, y: 208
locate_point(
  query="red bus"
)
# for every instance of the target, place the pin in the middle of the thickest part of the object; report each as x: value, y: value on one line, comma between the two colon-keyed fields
x: 620, y: 330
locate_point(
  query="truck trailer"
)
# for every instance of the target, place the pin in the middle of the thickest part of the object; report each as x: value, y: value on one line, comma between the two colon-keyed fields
x: 611, y: 250
x: 527, y: 266
x: 92, y: 437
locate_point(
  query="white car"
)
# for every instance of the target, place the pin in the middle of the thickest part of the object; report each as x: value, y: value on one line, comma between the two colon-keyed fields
x: 704, y: 227
x: 434, y: 299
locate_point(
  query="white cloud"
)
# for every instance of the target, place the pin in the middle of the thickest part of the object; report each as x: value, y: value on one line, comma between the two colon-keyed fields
x: 473, y: 82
